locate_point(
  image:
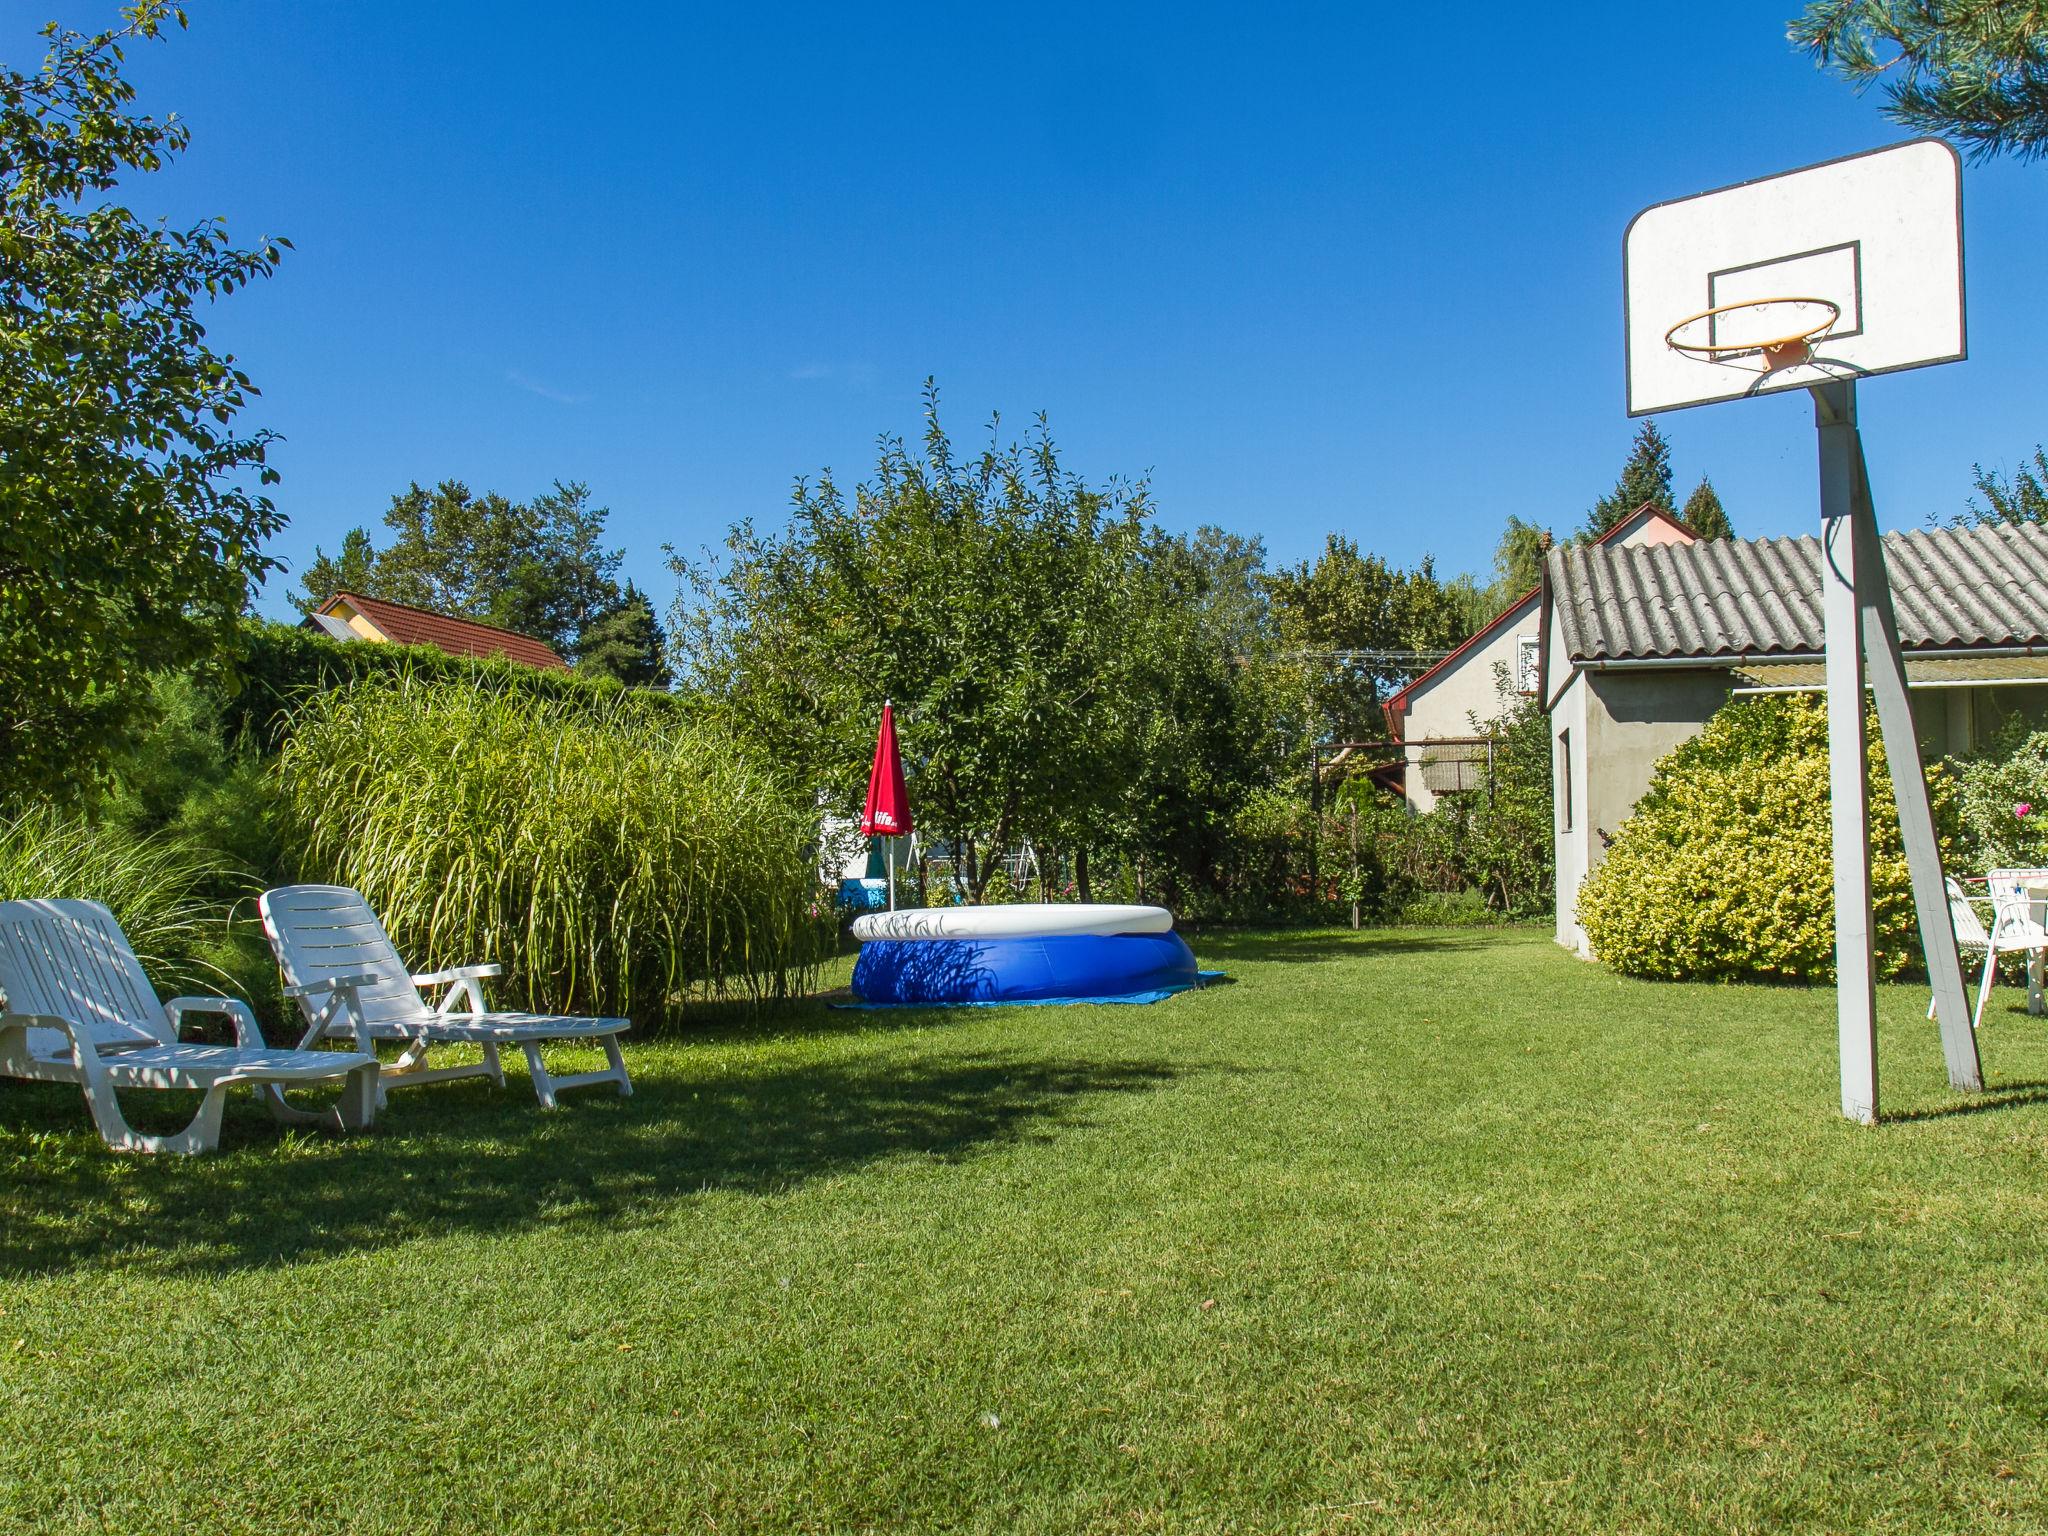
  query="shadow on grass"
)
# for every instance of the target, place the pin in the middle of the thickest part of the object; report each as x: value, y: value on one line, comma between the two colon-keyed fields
x: 1999, y: 1096
x: 808, y: 1018
x: 464, y: 1158
x: 1295, y: 948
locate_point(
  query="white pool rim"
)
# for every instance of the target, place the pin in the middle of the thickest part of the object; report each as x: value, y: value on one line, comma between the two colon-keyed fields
x: 1013, y: 920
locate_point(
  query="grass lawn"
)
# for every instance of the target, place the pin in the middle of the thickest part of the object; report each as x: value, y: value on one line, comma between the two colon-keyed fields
x: 1405, y: 1231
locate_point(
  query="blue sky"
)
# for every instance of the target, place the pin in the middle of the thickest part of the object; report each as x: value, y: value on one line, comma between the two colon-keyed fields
x: 1311, y: 268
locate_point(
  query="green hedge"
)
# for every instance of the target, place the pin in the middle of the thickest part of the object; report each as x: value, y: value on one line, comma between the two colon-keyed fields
x: 284, y: 665
x: 1725, y: 870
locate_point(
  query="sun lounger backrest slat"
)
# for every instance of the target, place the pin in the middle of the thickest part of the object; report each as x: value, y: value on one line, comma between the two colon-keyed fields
x: 70, y: 959
x: 329, y: 930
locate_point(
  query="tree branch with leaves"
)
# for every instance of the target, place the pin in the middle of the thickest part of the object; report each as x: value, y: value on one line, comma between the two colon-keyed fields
x: 132, y: 522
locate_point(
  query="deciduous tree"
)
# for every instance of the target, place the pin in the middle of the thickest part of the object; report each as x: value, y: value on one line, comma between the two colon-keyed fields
x: 132, y: 522
x: 1517, y: 561
x: 1350, y: 620
x: 2019, y: 498
x: 1055, y: 661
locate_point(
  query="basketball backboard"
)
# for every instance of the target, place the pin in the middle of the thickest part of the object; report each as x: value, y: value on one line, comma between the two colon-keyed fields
x: 1877, y: 238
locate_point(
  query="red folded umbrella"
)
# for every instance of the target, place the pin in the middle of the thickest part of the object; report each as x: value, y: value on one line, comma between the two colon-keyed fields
x: 888, y: 812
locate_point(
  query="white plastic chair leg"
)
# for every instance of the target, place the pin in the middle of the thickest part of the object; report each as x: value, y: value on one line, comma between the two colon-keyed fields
x: 202, y: 1135
x: 546, y: 1085
x: 356, y: 1110
x: 1984, y: 986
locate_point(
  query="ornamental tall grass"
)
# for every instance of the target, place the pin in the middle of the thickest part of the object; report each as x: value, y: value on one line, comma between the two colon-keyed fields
x: 613, y: 858
x: 158, y: 886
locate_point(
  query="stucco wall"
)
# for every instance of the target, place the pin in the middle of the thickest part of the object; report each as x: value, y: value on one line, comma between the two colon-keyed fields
x: 1444, y: 705
x: 1621, y: 722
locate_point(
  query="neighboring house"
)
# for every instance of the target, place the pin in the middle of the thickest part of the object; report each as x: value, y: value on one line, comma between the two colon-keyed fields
x: 349, y: 616
x: 1642, y: 644
x: 1432, y: 718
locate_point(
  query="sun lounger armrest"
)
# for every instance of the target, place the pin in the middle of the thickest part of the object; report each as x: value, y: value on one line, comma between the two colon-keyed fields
x: 12, y: 1024
x: 330, y: 984
x: 247, y: 1034
x: 458, y: 973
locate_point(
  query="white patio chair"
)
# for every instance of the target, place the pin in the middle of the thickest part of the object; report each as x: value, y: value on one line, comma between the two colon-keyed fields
x: 2015, y: 929
x: 1971, y: 938
x: 351, y: 985
x: 78, y: 1009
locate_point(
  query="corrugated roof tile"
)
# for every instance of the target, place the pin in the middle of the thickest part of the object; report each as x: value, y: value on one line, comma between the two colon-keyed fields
x: 1951, y: 587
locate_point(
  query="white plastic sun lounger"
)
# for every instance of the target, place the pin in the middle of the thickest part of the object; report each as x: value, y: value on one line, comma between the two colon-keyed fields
x: 349, y: 981
x: 78, y: 1009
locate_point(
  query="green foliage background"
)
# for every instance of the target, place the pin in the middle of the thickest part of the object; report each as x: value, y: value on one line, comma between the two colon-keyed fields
x: 283, y: 666
x: 161, y: 887
x: 132, y: 515
x: 1992, y: 789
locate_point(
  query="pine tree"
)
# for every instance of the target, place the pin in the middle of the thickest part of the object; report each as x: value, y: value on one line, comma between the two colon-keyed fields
x: 1704, y: 514
x: 538, y: 568
x: 625, y: 643
x: 1974, y: 70
x: 1645, y: 478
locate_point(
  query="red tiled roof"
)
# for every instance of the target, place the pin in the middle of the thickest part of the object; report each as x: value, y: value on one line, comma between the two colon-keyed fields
x: 403, y: 625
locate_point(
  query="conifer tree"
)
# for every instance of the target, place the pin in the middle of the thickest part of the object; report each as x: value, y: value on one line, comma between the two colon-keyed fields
x: 1974, y: 70
x: 1645, y: 478
x: 1704, y: 514
x: 625, y: 643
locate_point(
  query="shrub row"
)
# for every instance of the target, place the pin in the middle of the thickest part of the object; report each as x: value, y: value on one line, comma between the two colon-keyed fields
x: 282, y: 666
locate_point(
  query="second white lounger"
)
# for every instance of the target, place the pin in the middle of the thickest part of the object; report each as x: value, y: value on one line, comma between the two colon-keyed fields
x: 350, y: 983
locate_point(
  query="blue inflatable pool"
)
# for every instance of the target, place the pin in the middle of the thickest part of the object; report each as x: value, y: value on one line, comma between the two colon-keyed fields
x: 989, y: 955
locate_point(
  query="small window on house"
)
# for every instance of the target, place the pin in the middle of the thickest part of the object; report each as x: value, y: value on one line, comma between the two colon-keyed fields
x: 1564, y: 781
x: 1527, y: 663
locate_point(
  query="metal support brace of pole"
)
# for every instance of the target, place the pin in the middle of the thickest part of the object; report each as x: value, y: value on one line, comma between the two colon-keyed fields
x: 1909, y: 789
x: 1834, y: 412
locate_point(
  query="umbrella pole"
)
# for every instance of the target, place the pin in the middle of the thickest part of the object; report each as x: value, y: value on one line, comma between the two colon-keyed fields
x: 892, y: 872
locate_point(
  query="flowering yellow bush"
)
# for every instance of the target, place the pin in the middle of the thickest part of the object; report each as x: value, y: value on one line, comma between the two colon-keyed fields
x: 1725, y: 871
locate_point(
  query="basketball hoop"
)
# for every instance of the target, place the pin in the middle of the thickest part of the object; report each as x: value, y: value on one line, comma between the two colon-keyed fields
x: 1780, y: 331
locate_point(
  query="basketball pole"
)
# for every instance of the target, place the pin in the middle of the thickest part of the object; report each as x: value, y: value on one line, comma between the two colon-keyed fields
x: 1861, y: 630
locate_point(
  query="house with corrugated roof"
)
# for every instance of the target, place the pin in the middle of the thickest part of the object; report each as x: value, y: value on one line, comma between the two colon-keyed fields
x: 351, y: 616
x: 1641, y: 643
x: 1432, y: 718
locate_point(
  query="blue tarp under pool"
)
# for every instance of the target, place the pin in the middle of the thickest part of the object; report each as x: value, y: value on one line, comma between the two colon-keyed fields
x: 1067, y: 968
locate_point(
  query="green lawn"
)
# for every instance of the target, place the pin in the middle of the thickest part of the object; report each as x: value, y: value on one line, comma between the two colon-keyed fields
x: 1404, y: 1231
